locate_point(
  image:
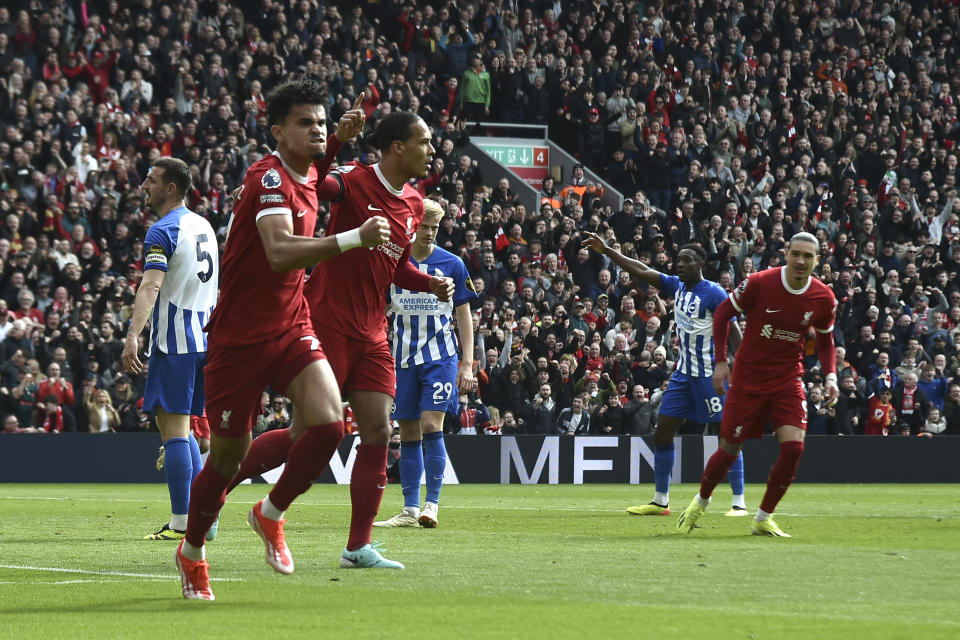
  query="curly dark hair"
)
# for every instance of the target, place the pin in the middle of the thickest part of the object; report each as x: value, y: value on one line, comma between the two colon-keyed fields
x: 281, y: 100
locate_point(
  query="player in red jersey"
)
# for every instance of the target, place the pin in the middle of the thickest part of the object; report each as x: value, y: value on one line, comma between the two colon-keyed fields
x: 348, y: 304
x: 781, y: 305
x: 261, y: 334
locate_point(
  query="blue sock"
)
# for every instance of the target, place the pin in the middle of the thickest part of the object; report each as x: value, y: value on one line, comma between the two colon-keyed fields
x: 663, y: 455
x: 736, y: 475
x: 194, y: 458
x: 435, y: 461
x: 178, y: 467
x: 411, y: 468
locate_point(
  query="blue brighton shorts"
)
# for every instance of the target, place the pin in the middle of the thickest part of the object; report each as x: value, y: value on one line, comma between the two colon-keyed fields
x: 691, y: 398
x: 431, y: 386
x: 175, y: 383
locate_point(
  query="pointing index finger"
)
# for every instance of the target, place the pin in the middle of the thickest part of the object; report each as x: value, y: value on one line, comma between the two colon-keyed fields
x: 359, y: 102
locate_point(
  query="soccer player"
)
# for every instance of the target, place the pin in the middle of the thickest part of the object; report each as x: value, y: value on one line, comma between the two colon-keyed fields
x: 690, y: 394
x: 177, y: 295
x: 428, y: 374
x: 348, y: 298
x: 781, y: 305
x: 261, y: 334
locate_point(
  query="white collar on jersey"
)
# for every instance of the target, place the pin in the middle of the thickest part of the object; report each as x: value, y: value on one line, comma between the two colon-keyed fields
x: 293, y: 174
x: 796, y: 292
x: 386, y: 184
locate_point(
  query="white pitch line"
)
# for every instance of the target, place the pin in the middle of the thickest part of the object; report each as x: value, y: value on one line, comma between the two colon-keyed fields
x: 495, y: 507
x: 122, y: 574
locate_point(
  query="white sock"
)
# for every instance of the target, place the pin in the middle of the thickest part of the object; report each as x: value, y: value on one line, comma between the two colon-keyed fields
x: 414, y: 511
x: 178, y: 521
x: 661, y: 498
x: 740, y: 501
x: 270, y: 511
x: 761, y: 515
x: 703, y: 502
x: 193, y: 553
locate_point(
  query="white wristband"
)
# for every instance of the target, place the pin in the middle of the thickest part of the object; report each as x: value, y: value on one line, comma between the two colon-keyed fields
x: 831, y: 378
x: 349, y: 240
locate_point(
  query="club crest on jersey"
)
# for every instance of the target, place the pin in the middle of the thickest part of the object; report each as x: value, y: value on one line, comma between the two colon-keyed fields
x: 271, y: 179
x: 806, y: 318
x: 409, y: 227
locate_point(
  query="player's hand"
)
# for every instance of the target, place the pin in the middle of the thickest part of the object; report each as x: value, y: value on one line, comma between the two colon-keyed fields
x: 593, y: 242
x: 466, y: 381
x: 351, y: 122
x: 129, y: 356
x: 721, y: 378
x: 375, y: 231
x: 443, y: 288
x: 831, y: 393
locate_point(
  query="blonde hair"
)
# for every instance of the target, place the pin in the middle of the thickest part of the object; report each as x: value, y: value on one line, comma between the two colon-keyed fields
x: 432, y: 209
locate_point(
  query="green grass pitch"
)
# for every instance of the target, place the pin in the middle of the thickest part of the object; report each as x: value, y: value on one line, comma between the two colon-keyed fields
x: 879, y: 561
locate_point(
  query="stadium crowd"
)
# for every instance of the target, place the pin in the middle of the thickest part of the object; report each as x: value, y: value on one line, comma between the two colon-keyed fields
x: 730, y: 123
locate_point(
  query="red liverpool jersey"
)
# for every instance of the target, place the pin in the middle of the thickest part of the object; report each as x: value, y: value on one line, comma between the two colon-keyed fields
x: 770, y: 356
x: 348, y: 293
x: 257, y: 302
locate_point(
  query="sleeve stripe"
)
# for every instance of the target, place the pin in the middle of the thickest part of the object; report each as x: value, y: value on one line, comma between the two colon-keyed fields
x: 827, y: 330
x: 273, y: 211
x: 735, y: 305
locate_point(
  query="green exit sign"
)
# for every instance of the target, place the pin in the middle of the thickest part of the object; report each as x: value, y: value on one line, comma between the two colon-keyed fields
x: 518, y: 155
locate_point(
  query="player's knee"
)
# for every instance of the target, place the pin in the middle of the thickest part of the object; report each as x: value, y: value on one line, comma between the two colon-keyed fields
x: 792, y: 448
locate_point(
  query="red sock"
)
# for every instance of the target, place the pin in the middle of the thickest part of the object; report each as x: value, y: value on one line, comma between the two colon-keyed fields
x: 267, y: 451
x: 367, y: 483
x: 781, y: 474
x: 715, y: 471
x: 308, y: 457
x: 207, y: 495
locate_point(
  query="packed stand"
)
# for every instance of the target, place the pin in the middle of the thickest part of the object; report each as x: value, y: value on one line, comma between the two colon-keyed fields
x: 735, y: 124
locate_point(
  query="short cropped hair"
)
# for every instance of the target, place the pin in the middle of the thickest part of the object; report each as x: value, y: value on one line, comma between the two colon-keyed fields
x: 394, y: 126
x: 175, y: 171
x: 696, y: 249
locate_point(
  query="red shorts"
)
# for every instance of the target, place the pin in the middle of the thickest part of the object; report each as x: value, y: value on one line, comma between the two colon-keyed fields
x: 236, y: 376
x: 359, y: 365
x: 746, y: 414
x: 200, y: 426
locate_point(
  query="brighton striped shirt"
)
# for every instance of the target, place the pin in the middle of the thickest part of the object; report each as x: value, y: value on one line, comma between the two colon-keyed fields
x: 422, y: 325
x: 184, y: 245
x: 693, y: 314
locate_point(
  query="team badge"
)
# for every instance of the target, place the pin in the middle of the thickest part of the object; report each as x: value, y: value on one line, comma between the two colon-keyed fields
x: 271, y: 179
x: 806, y: 318
x: 225, y: 415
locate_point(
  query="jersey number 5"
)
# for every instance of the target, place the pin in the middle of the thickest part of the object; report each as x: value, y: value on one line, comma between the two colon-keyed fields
x: 204, y: 256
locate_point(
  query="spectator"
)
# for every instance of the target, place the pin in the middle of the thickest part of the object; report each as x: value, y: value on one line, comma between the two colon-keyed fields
x: 540, y: 413
x: 101, y: 415
x: 574, y: 420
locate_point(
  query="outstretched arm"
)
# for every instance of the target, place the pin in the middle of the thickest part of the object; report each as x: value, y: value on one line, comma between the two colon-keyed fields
x: 596, y: 244
x: 287, y: 251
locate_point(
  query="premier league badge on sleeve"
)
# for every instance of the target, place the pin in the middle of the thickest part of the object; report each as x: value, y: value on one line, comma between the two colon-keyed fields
x: 270, y: 180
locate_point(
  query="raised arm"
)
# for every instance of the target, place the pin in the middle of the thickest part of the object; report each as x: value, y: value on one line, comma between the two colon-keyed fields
x: 596, y: 244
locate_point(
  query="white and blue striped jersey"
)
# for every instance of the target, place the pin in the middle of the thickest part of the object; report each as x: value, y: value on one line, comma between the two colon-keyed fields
x: 693, y: 314
x: 184, y: 245
x: 422, y: 325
